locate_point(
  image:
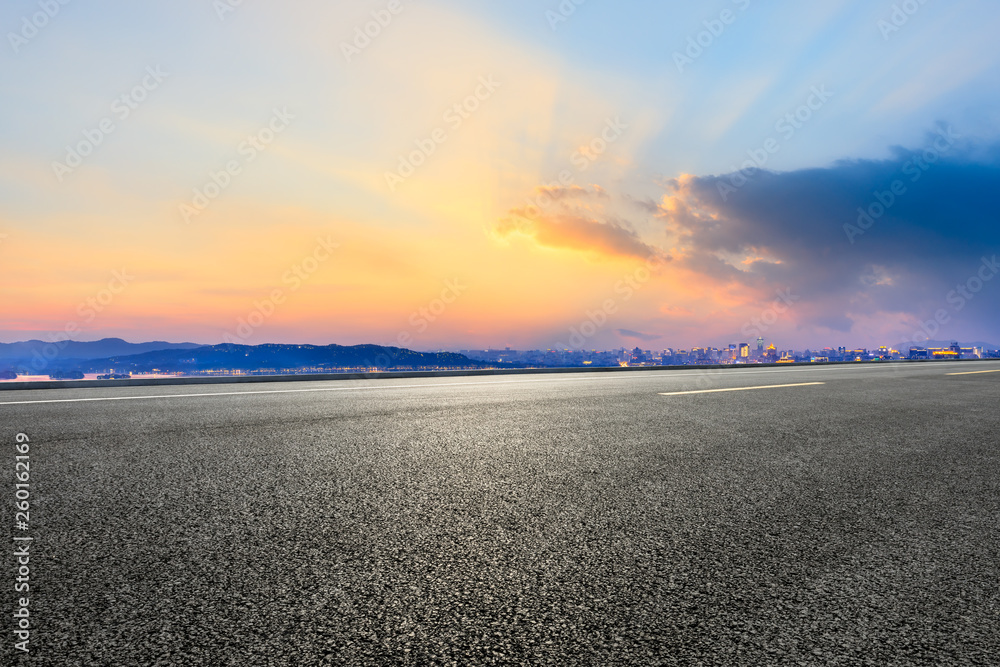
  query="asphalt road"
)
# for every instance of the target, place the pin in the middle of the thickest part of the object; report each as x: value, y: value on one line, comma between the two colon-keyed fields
x: 565, y: 520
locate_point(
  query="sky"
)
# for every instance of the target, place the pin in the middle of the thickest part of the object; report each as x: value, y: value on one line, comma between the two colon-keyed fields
x: 438, y: 174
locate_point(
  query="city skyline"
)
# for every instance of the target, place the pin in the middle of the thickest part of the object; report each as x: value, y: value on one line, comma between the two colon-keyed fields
x: 74, y: 359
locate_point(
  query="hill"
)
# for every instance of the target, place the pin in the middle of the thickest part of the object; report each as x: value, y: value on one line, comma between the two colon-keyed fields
x: 26, y: 351
x: 278, y: 358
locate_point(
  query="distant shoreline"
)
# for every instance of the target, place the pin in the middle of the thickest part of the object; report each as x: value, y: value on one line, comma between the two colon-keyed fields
x: 148, y: 381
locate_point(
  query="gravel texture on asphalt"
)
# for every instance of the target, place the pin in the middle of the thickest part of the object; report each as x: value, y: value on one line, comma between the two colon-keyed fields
x: 583, y: 520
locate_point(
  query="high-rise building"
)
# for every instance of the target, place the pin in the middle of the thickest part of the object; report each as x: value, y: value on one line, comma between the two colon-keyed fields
x: 744, y: 350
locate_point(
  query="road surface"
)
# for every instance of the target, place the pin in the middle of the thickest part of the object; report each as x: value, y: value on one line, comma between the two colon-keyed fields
x: 849, y: 516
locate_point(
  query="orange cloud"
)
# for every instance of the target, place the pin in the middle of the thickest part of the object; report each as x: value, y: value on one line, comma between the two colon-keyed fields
x: 578, y: 233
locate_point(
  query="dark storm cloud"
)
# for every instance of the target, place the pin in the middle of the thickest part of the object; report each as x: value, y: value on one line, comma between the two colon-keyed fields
x: 861, y: 237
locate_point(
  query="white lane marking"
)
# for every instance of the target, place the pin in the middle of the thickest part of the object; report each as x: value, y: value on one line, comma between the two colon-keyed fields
x: 553, y: 378
x: 714, y: 391
x: 975, y: 372
x: 272, y: 391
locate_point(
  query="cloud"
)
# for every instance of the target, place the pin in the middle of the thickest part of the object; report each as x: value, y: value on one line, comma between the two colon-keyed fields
x: 572, y: 192
x: 586, y: 219
x: 646, y: 205
x: 575, y: 232
x: 638, y: 335
x: 857, y: 239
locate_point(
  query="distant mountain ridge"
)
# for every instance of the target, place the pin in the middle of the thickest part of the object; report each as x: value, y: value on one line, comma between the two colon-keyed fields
x: 275, y: 357
x: 26, y: 351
